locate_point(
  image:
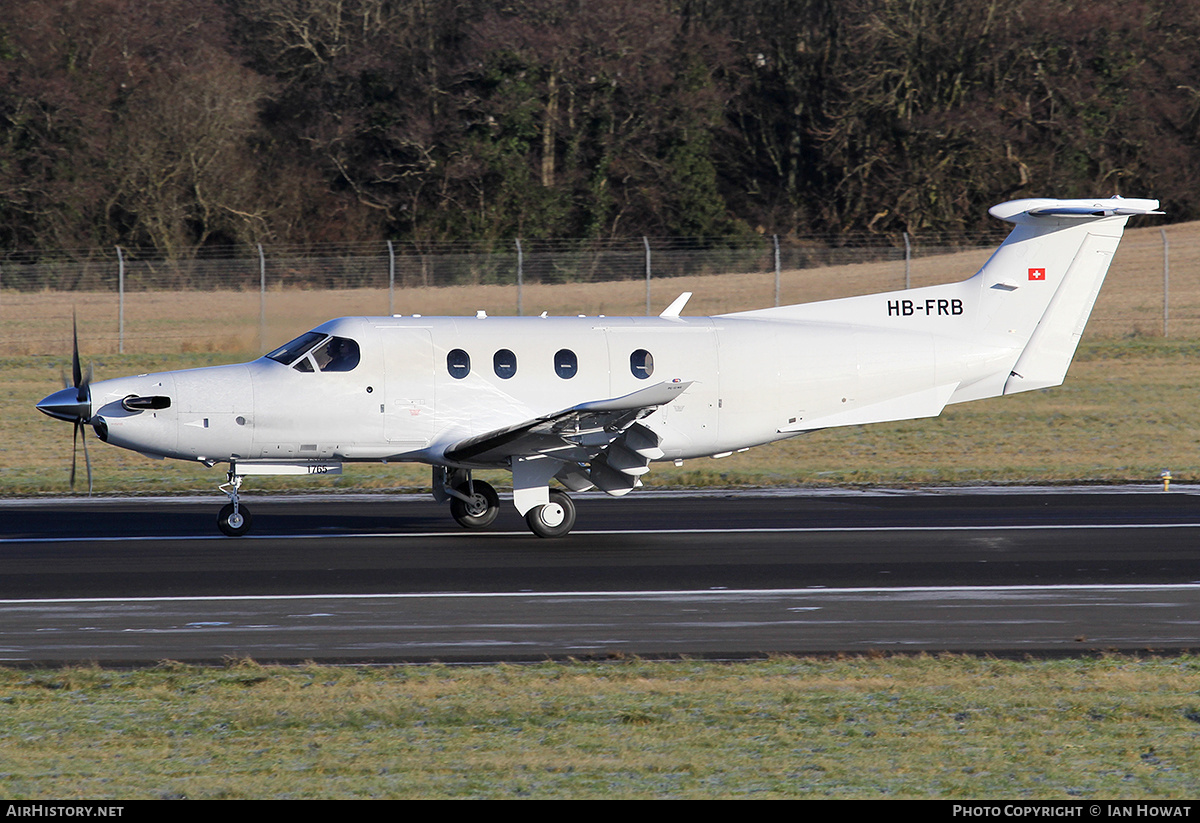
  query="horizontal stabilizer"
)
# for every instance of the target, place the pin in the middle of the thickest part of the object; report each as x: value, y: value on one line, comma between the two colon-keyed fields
x: 1019, y: 211
x: 1084, y: 211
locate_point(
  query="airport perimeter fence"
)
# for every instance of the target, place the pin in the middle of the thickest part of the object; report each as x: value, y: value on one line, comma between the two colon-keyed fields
x: 229, y: 300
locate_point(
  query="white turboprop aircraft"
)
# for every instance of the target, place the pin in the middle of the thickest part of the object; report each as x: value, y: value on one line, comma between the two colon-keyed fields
x: 592, y: 401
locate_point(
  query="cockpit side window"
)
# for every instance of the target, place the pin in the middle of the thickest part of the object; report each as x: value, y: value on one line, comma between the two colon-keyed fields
x: 339, y: 354
x: 313, y: 351
x: 289, y: 353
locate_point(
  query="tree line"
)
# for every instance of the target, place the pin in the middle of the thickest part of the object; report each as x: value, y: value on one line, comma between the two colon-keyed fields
x: 174, y: 127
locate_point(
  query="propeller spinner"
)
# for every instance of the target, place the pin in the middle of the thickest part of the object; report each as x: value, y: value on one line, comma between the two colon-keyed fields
x: 73, y: 403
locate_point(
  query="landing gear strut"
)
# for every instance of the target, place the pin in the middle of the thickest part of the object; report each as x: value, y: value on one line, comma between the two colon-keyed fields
x: 234, y: 519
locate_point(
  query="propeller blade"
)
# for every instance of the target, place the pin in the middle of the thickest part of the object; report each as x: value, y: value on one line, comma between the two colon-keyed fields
x: 76, y: 371
x: 74, y: 404
x: 87, y: 461
x: 74, y: 445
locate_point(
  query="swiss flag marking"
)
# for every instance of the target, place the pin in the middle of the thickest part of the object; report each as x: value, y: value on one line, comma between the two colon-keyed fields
x: 1037, y: 274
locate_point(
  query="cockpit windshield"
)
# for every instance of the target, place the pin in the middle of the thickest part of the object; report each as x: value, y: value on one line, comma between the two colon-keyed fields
x: 289, y: 353
x: 313, y: 351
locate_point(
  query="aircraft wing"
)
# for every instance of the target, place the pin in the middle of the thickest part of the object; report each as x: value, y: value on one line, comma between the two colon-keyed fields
x: 595, y: 443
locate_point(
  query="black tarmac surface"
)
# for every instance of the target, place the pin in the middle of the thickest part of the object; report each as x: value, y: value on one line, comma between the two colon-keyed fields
x: 726, y: 574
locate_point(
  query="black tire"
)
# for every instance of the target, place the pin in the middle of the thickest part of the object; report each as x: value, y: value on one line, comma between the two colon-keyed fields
x: 229, y: 528
x: 555, y: 519
x: 483, y: 509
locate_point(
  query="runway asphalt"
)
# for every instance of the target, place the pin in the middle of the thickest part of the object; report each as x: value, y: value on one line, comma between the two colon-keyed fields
x: 726, y: 574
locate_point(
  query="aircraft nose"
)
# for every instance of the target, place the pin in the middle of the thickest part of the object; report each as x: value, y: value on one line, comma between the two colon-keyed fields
x: 65, y: 404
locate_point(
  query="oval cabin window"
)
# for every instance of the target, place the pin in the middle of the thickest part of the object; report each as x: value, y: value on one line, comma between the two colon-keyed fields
x: 458, y: 363
x: 505, y: 364
x: 566, y: 364
x: 641, y: 363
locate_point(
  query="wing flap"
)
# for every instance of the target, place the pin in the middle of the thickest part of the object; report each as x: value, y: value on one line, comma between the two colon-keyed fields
x: 577, y: 434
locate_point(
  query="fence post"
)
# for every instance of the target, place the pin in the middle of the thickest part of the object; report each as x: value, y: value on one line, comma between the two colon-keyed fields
x: 120, y: 301
x: 262, y: 300
x: 646, y: 243
x: 1166, y: 277
x: 907, y: 262
x: 391, y: 279
x: 776, y: 238
x: 520, y: 279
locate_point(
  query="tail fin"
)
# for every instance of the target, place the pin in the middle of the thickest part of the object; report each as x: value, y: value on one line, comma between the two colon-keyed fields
x: 1015, y: 324
x: 1042, y: 282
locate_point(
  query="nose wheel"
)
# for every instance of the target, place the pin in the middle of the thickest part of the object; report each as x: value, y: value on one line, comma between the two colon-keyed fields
x: 234, y: 519
x: 555, y: 518
x: 234, y: 523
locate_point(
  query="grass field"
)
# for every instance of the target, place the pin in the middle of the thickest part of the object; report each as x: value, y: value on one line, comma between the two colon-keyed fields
x: 955, y: 728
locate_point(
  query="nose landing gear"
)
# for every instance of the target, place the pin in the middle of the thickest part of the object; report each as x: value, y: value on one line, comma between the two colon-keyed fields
x: 234, y: 520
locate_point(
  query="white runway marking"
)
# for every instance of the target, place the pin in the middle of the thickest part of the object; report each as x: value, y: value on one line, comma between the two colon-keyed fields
x: 677, y: 593
x: 602, y: 532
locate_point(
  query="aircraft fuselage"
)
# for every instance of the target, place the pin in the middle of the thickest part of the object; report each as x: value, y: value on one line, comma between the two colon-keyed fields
x: 753, y: 381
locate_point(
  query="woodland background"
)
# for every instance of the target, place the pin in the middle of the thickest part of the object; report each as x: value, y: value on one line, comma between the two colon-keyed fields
x: 179, y: 127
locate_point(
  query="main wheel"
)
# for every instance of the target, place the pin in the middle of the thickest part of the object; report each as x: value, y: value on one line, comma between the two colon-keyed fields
x: 234, y: 525
x: 554, y: 519
x: 480, y: 510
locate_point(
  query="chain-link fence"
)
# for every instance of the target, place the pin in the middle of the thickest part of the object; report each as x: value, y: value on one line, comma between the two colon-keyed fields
x: 246, y: 303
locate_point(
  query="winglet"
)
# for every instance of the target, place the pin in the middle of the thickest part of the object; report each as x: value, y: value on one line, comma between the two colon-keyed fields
x: 676, y: 307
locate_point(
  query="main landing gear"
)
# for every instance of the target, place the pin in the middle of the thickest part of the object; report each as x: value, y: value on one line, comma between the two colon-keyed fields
x: 474, y: 504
